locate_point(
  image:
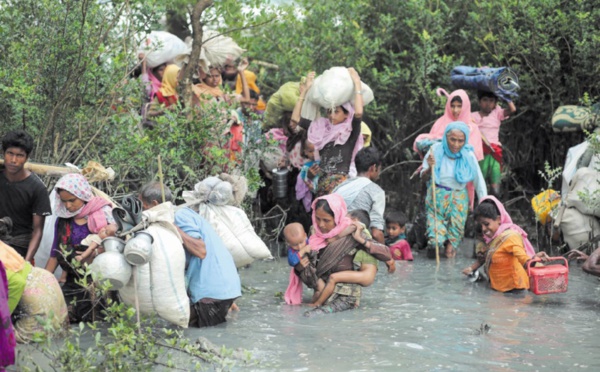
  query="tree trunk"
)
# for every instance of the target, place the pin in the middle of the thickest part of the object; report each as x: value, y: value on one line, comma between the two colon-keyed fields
x: 192, y: 66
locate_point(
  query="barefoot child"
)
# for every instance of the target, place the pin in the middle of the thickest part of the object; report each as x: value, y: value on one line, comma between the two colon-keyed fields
x: 395, y: 227
x: 364, y: 263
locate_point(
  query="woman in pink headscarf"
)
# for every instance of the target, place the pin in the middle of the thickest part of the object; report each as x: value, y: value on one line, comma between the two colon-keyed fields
x: 335, y: 251
x: 458, y: 108
x: 336, y: 138
x: 80, y: 214
x: 508, y: 249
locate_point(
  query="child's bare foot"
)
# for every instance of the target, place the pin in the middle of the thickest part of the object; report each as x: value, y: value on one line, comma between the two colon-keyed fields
x: 316, y: 296
x: 312, y: 305
x: 234, y: 307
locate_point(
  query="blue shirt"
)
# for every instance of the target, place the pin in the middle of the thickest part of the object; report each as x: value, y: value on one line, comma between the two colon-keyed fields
x: 215, y: 276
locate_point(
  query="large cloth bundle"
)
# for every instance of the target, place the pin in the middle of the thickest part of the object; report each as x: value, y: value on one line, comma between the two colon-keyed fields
x: 585, y: 181
x: 501, y: 81
x: 571, y: 118
x: 220, y: 49
x: 578, y: 228
x: 543, y: 204
x: 333, y: 88
x: 162, y: 47
x: 161, y: 282
x: 236, y: 231
x: 281, y: 101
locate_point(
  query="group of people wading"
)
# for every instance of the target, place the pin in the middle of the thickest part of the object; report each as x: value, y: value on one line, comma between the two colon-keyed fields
x: 335, y: 253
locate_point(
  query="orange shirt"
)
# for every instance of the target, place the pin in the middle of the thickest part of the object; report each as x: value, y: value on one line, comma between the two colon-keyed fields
x: 506, y: 269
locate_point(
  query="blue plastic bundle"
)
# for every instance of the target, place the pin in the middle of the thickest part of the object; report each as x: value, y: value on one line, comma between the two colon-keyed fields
x: 501, y: 81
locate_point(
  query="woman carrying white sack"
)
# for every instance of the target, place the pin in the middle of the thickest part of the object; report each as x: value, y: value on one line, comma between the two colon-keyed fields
x: 336, y: 138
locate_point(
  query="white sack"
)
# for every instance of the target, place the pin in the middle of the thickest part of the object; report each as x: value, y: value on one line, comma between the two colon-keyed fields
x: 333, y: 88
x: 236, y: 231
x: 162, y: 47
x: 578, y: 228
x: 584, y: 181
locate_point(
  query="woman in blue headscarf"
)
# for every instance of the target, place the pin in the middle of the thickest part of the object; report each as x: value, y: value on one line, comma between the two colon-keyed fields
x: 455, y: 165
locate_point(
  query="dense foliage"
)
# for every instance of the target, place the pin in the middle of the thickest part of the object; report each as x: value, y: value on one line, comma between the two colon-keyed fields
x: 64, y: 69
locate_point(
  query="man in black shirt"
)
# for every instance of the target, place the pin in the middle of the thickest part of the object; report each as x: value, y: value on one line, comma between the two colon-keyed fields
x: 23, y: 196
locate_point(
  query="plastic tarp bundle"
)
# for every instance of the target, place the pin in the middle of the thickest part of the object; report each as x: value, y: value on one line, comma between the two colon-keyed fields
x: 502, y: 81
x: 333, y: 88
x: 162, y: 47
x: 161, y: 282
x: 234, y: 228
x: 281, y: 101
x: 571, y: 118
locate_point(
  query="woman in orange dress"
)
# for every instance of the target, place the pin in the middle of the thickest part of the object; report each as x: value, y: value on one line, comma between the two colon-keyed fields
x: 506, y: 255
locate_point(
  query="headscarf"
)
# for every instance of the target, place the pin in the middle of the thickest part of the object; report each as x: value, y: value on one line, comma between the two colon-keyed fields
x: 507, y: 223
x: 366, y: 132
x: 154, y: 84
x: 78, y: 185
x: 322, y: 131
x: 169, y: 81
x: 318, y: 240
x: 437, y: 131
x: 465, y: 166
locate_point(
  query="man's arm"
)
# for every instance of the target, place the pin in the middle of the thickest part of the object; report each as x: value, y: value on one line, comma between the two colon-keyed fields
x: 195, y: 246
x: 591, y: 265
x: 378, y: 235
x: 36, y: 237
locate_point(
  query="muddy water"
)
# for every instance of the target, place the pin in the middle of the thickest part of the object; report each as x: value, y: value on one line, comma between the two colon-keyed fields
x: 420, y: 319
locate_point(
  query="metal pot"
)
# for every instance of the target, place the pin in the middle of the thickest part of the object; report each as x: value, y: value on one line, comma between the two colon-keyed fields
x: 113, y: 267
x: 113, y: 244
x: 138, y: 249
x: 280, y: 182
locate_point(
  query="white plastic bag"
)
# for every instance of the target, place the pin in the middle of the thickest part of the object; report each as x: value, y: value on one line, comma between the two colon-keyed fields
x: 236, y: 231
x: 162, y: 47
x: 219, y: 49
x: 333, y: 88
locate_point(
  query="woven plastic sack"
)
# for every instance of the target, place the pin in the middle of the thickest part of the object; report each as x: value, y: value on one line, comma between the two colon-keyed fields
x: 161, y: 47
x: 161, y: 282
x: 578, y: 228
x: 281, y: 101
x: 333, y: 88
x: 219, y: 49
x: 221, y: 194
x: 234, y: 228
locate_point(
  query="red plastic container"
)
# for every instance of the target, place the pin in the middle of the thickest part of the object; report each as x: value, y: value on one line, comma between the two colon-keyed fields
x: 550, y: 278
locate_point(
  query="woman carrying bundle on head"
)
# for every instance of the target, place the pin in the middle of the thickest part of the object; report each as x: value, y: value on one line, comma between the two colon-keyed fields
x: 452, y: 164
x: 336, y: 138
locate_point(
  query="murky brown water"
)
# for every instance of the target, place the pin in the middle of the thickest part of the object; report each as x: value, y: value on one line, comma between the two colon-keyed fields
x: 417, y: 319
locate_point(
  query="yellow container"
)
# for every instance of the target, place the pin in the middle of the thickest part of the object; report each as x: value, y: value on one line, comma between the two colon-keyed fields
x: 543, y: 204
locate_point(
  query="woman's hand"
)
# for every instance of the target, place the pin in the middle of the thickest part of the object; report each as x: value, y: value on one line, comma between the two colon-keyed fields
x: 468, y: 271
x: 354, y: 75
x: 243, y: 65
x: 543, y: 256
x: 391, y: 265
x: 431, y: 161
x: 310, y: 79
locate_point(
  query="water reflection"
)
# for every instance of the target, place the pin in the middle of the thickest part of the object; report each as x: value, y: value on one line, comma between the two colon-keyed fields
x: 419, y: 319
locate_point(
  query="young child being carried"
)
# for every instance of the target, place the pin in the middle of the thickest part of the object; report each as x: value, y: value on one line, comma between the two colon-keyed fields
x: 94, y: 241
x: 488, y: 119
x: 305, y: 187
x: 297, y: 242
x: 395, y: 227
x: 365, y: 265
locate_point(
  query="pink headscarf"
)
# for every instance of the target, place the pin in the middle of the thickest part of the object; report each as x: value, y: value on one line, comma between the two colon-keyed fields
x: 337, y: 204
x: 321, y: 132
x: 78, y: 185
x: 507, y: 223
x: 437, y: 131
x: 317, y: 241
